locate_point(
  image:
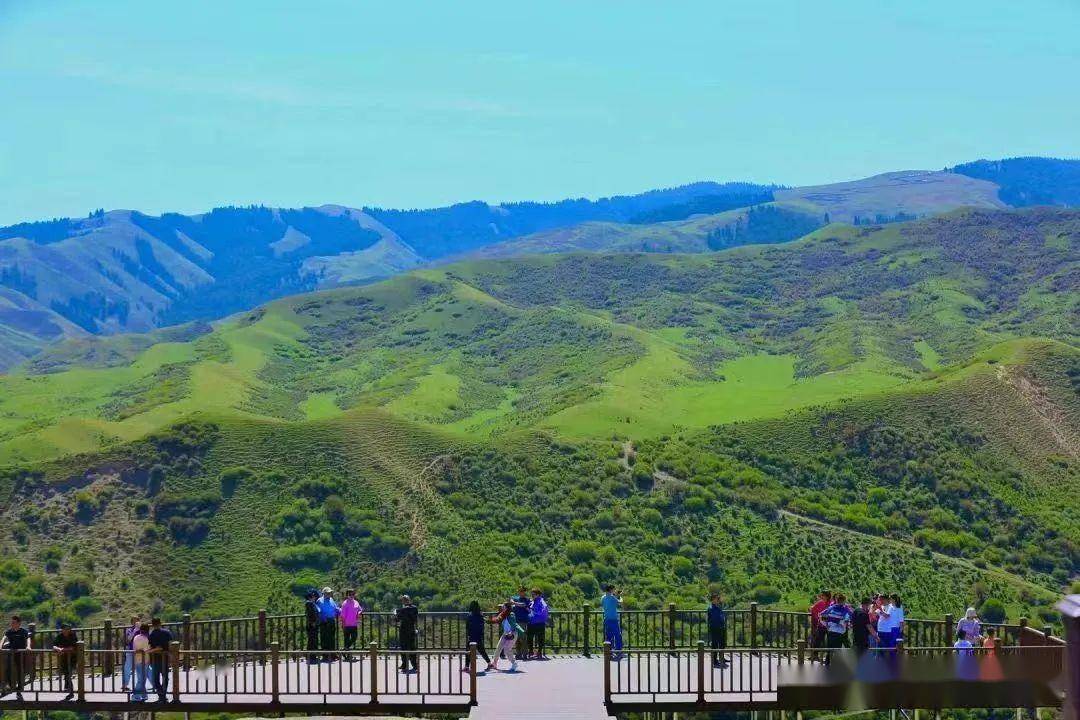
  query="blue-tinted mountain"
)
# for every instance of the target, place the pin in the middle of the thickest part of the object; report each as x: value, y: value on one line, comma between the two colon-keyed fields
x: 1027, y: 181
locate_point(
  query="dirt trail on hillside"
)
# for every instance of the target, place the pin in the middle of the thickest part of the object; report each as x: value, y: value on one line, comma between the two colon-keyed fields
x: 1050, y: 415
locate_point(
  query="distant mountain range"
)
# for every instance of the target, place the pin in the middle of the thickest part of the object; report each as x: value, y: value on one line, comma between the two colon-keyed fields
x: 124, y: 271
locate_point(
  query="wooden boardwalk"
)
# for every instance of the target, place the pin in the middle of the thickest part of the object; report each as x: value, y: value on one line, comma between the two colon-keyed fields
x: 562, y: 687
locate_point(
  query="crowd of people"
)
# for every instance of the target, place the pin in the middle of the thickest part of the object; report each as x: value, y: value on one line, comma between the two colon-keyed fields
x: 878, y: 622
x: 522, y: 620
x: 146, y: 658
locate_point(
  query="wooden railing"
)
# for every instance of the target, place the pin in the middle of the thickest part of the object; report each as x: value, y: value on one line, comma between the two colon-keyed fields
x: 227, y: 679
x: 568, y: 631
x: 662, y: 679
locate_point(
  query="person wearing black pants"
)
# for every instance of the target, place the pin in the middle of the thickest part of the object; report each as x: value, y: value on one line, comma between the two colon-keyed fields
x: 329, y: 611
x: 64, y: 646
x: 474, y: 633
x: 406, y: 617
x: 311, y: 624
x: 15, y: 644
x: 717, y: 618
x: 160, y: 640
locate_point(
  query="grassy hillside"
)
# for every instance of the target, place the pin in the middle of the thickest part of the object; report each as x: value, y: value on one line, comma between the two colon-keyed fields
x: 883, y: 407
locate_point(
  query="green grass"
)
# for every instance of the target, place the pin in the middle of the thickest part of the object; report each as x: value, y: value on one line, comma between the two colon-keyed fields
x: 476, y: 415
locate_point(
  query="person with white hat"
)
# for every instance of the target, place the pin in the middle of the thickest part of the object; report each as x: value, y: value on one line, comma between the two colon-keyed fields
x: 970, y: 626
x: 329, y: 610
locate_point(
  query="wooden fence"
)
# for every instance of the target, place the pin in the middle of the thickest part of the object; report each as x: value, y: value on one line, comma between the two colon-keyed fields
x: 567, y: 631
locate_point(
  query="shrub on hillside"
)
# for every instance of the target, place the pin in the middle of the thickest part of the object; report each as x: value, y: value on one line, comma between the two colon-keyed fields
x: 309, y: 555
x: 580, y: 551
x: 76, y: 587
x: 85, y: 606
x: 992, y: 611
x: 231, y: 477
x: 188, y: 530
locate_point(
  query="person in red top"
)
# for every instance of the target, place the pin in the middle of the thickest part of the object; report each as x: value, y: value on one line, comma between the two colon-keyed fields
x: 817, y: 628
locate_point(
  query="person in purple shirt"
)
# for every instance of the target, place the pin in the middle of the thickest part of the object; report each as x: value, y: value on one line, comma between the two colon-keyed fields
x: 536, y: 625
x: 351, y: 612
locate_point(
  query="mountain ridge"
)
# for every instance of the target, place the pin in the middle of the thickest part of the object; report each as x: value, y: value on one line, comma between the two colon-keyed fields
x: 123, y: 271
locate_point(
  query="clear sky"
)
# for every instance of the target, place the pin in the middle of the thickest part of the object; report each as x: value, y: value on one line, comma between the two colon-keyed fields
x: 168, y: 105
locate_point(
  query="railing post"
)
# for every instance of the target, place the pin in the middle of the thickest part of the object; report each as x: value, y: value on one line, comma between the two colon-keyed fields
x: 472, y: 674
x: 949, y: 625
x: 753, y: 625
x: 671, y: 625
x: 585, y: 629
x: 174, y: 653
x: 1070, y: 617
x: 107, y: 661
x: 275, y: 664
x: 701, y: 672
x: 1048, y: 632
x: 373, y: 656
x: 80, y: 669
x: 185, y: 636
x: 801, y: 646
x: 607, y: 674
x: 262, y: 630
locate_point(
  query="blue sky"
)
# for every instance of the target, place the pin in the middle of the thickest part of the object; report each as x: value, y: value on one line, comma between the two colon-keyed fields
x: 187, y: 105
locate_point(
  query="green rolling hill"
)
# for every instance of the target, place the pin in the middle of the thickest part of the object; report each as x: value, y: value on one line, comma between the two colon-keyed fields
x: 878, y: 407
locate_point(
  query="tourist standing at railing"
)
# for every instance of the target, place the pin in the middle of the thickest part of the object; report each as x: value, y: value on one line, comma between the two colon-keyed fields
x: 817, y: 627
x: 990, y: 641
x: 609, y: 604
x: 474, y: 633
x: 129, y: 635
x: 898, y: 618
x: 351, y: 612
x: 716, y: 616
x: 521, y: 605
x: 891, y: 622
x: 970, y: 625
x: 17, y: 642
x: 140, y: 659
x: 863, y: 627
x: 160, y: 640
x: 407, y: 617
x: 962, y: 645
x: 311, y: 624
x: 536, y: 629
x: 511, y: 631
x: 837, y: 620
x: 64, y: 646
x: 329, y: 610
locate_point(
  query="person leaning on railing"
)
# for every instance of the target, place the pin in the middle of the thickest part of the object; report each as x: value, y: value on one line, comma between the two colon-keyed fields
x: 64, y: 644
x: 15, y: 647
x: 160, y: 640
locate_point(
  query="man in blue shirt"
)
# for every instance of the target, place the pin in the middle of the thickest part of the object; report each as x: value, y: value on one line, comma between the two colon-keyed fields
x: 328, y: 614
x: 609, y: 603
